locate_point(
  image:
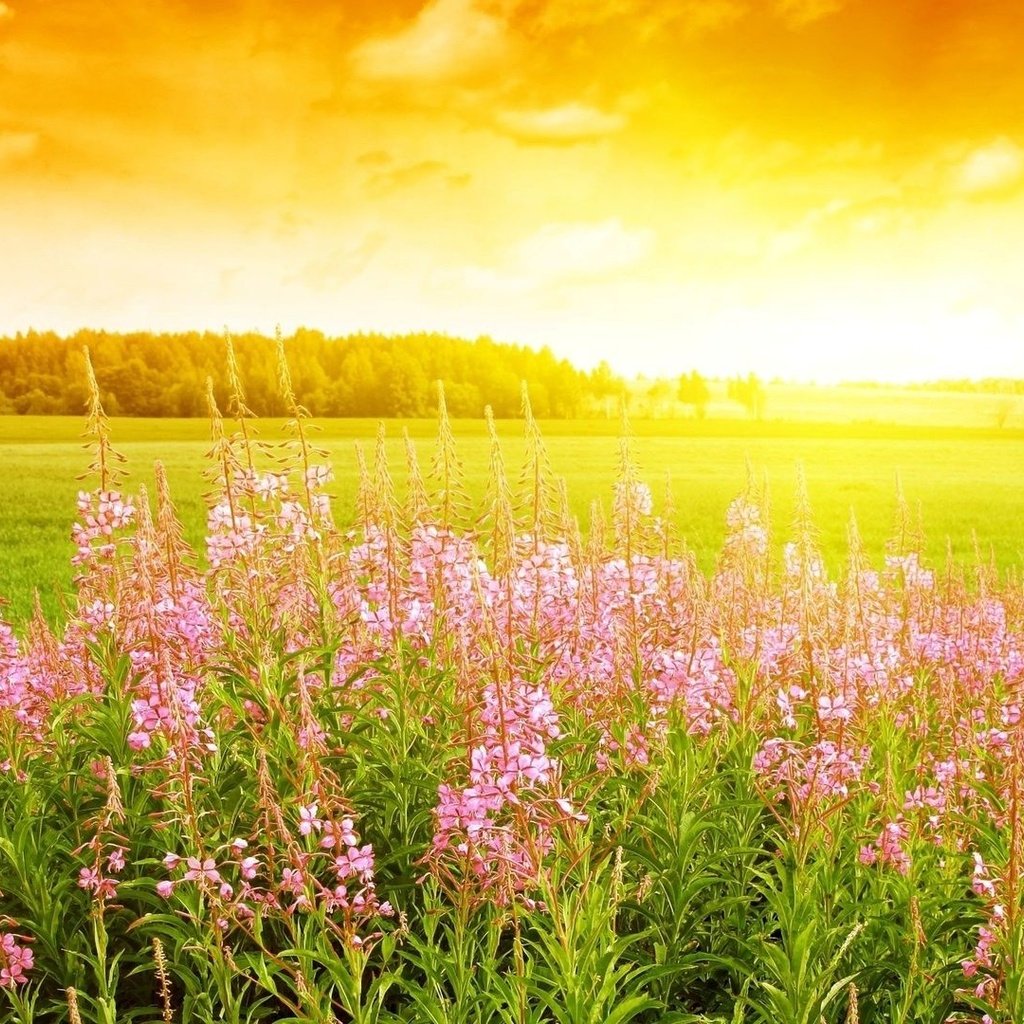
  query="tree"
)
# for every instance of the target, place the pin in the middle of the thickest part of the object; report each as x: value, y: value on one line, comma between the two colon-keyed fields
x: 608, y: 388
x: 659, y: 393
x: 694, y: 390
x: 749, y: 392
x: 143, y: 374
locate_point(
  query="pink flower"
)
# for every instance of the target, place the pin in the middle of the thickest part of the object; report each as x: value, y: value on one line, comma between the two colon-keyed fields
x: 205, y: 870
x: 16, y: 961
x: 292, y: 881
x: 567, y: 809
x: 833, y: 708
x: 92, y: 881
x: 139, y: 740
x: 308, y: 821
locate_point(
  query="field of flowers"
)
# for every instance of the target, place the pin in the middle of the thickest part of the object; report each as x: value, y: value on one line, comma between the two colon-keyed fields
x: 464, y: 766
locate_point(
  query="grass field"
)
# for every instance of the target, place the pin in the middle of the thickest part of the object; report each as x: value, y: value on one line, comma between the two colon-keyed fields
x: 965, y: 481
x: 860, y: 404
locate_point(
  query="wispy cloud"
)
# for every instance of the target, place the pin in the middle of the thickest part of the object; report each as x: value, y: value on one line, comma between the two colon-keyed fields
x: 374, y: 158
x: 398, y: 178
x: 568, y: 124
x: 588, y: 249
x: 448, y: 39
x: 339, y: 266
x: 6, y: 11
x: 989, y: 171
x: 556, y: 256
x: 801, y: 234
x: 643, y: 17
x: 798, y: 13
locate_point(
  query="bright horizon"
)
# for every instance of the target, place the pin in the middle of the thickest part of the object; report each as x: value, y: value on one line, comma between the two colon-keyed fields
x: 808, y: 189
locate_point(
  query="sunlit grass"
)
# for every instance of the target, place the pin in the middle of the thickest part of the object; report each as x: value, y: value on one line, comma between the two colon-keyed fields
x: 965, y: 482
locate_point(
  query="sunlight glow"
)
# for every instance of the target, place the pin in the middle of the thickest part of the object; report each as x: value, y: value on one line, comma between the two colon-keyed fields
x: 807, y: 188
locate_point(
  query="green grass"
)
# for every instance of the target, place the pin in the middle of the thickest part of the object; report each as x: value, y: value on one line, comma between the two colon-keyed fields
x: 967, y: 482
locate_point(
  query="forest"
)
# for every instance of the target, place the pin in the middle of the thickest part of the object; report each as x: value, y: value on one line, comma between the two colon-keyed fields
x: 148, y: 374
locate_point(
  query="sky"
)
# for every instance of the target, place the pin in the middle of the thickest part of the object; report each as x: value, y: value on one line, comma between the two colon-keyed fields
x: 826, y: 189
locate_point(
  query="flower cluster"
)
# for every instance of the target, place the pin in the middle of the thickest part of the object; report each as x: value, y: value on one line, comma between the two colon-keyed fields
x: 16, y: 960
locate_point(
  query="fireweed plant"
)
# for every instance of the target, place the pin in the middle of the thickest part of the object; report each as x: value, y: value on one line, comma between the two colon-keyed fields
x: 466, y: 765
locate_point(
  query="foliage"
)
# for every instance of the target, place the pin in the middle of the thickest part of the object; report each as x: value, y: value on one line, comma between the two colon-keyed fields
x: 693, y: 390
x: 749, y: 391
x: 143, y: 374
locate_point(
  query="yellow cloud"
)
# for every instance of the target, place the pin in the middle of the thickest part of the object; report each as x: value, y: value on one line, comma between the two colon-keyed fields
x: 397, y: 178
x: 339, y: 266
x: 537, y: 269
x: 992, y: 170
x: 6, y: 12
x: 589, y: 249
x: 798, y: 13
x: 448, y: 39
x: 643, y: 18
x: 564, y: 125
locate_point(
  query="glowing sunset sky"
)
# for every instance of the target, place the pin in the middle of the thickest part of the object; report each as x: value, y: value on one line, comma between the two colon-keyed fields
x: 803, y: 187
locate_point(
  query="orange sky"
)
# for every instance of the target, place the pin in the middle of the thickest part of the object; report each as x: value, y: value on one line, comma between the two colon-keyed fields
x: 827, y: 188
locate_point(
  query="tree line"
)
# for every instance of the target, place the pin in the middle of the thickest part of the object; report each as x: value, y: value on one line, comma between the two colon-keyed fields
x: 146, y: 374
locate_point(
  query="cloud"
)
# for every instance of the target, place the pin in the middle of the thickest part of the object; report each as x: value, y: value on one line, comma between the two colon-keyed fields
x: 853, y: 152
x: 338, y: 267
x: 801, y: 234
x: 582, y: 250
x: 709, y: 15
x: 565, y: 125
x: 841, y: 221
x: 374, y: 158
x: 643, y: 18
x: 742, y: 156
x: 6, y: 12
x: 993, y: 170
x: 386, y: 182
x: 540, y: 266
x: 17, y: 146
x: 797, y: 13
x: 448, y: 39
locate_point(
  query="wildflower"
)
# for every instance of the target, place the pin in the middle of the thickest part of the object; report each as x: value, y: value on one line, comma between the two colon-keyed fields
x: 202, y: 870
x: 308, y: 821
x: 16, y: 960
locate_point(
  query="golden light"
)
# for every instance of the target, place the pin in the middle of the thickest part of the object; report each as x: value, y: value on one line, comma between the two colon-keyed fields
x: 806, y: 188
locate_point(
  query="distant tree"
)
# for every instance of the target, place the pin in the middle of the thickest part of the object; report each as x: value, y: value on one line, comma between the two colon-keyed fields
x: 608, y: 388
x: 749, y: 392
x: 659, y: 394
x: 35, y: 403
x: 409, y: 391
x: 142, y: 374
x: 694, y: 390
x: 463, y: 399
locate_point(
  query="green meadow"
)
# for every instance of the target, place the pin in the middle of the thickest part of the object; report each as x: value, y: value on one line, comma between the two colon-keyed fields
x: 966, y: 482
